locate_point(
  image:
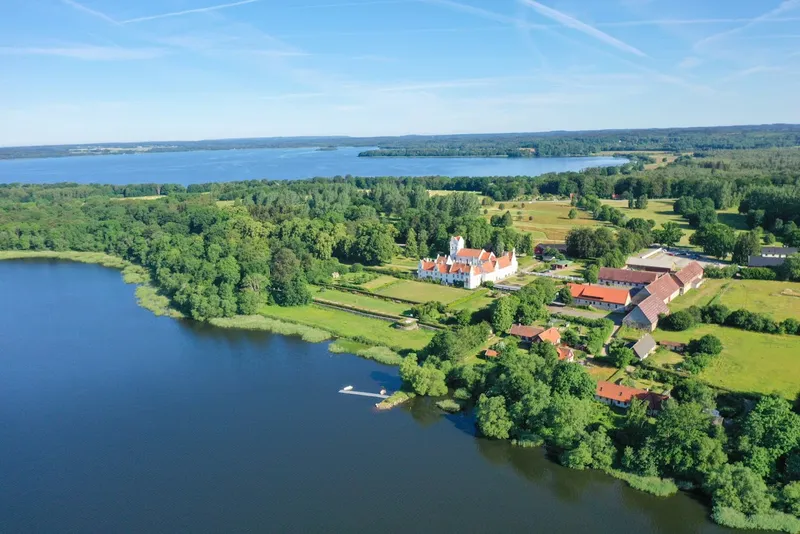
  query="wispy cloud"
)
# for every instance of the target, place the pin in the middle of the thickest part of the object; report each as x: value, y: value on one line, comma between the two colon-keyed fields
x: 785, y: 6
x: 86, y: 53
x: 486, y: 14
x: 758, y: 69
x: 92, y: 12
x: 353, y: 4
x: 188, y: 11
x: 575, y: 24
x: 686, y: 22
x: 292, y: 96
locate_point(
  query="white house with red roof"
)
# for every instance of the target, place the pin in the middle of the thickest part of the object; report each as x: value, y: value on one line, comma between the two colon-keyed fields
x: 468, y: 266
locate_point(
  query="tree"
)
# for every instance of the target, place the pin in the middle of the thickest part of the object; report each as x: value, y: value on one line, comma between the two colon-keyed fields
x: 573, y: 380
x: 738, y: 487
x: 527, y: 245
x: 565, y: 295
x: 747, y: 244
x: 288, y: 287
x: 770, y: 431
x: 504, y: 310
x: 412, y: 250
x: 669, y: 235
x: 716, y: 239
x: 425, y: 380
x: 373, y: 243
x: 622, y: 356
x: 790, y: 270
x: 492, y: 417
x: 641, y: 202
x: 679, y: 321
x: 573, y: 213
x: 691, y: 390
x: 790, y: 498
x: 463, y: 317
x: 592, y: 274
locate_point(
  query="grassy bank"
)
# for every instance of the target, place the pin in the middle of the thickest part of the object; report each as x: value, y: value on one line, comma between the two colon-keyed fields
x: 382, y: 355
x: 395, y: 399
x: 351, y: 326
x: 98, y: 258
x: 661, y: 487
x: 775, y: 521
x: 265, y: 324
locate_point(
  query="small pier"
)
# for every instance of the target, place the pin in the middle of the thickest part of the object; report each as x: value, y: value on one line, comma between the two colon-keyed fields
x: 363, y: 394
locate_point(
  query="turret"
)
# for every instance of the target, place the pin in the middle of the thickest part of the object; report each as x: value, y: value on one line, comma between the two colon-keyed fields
x: 456, y: 244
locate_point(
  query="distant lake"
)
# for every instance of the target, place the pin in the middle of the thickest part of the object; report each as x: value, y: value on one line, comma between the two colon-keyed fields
x: 115, y: 420
x: 274, y: 164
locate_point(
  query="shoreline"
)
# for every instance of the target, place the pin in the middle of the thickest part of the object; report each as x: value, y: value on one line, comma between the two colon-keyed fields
x: 159, y: 305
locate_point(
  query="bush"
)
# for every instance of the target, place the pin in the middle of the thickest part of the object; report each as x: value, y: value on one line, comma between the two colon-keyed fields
x: 759, y: 273
x: 715, y: 314
x: 708, y: 344
x: 661, y: 487
x: 720, y: 272
x: 678, y: 321
x: 462, y: 394
x: 449, y: 405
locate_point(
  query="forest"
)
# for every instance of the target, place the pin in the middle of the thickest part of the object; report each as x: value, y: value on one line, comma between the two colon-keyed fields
x: 541, y: 144
x: 224, y: 249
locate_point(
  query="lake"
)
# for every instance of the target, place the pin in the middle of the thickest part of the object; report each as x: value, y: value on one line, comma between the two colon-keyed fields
x: 276, y: 164
x: 114, y: 420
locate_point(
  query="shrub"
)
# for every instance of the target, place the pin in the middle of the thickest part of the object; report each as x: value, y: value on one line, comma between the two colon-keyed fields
x: 708, y: 344
x: 678, y: 321
x: 772, y: 520
x: 462, y: 394
x: 715, y: 314
x: 759, y: 273
x: 449, y: 405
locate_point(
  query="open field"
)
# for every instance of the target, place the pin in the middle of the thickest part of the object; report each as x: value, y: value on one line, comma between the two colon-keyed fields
x: 761, y: 296
x: 350, y: 325
x: 477, y: 301
x: 362, y: 302
x: 382, y: 280
x: 750, y: 361
x: 423, y: 292
x: 400, y: 263
x: 600, y: 372
x: 656, y: 155
x: 550, y: 222
x: 132, y: 199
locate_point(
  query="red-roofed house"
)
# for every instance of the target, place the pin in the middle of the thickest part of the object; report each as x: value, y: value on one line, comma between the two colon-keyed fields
x: 490, y: 353
x: 690, y: 277
x: 606, y: 298
x: 621, y: 396
x: 469, y: 267
x: 534, y: 334
x: 565, y: 354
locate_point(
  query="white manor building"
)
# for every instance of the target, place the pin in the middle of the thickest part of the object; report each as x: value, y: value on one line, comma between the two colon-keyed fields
x: 469, y: 266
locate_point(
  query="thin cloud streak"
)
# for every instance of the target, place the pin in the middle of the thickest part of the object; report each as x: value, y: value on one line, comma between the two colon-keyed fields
x: 486, y: 14
x: 90, y: 11
x: 686, y: 22
x: 188, y: 11
x: 786, y: 5
x: 575, y: 24
x: 86, y: 53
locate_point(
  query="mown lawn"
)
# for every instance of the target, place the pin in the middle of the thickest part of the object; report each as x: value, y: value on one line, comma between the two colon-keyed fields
x: 380, y: 281
x: 423, y: 292
x: 477, y: 301
x: 363, y: 302
x: 761, y: 296
x: 350, y: 325
x: 749, y: 362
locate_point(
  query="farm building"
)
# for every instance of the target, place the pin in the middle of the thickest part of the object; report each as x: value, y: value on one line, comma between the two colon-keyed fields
x: 621, y: 396
x: 602, y: 297
x: 645, y: 347
x: 626, y: 277
x: 644, y: 316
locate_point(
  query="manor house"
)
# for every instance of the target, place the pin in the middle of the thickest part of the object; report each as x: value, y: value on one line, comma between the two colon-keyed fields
x: 468, y: 266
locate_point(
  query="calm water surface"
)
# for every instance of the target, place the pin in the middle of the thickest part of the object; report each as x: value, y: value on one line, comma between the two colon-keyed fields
x: 114, y: 420
x: 275, y: 164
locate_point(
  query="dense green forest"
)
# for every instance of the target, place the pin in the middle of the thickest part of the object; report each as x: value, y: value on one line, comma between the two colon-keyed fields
x: 217, y: 250
x: 542, y: 144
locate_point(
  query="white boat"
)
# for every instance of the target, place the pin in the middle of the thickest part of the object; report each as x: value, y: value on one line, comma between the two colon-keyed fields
x: 347, y: 388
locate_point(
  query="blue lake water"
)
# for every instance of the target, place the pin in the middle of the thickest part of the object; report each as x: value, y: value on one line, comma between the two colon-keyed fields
x: 113, y: 420
x: 274, y: 164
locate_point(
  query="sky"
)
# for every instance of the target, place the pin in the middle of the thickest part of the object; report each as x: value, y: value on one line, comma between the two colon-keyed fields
x: 86, y: 71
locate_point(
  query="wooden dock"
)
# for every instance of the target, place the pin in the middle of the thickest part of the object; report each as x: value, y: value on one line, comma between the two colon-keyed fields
x: 364, y: 394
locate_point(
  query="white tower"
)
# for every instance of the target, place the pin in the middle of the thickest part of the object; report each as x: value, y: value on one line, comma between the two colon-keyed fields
x: 456, y: 244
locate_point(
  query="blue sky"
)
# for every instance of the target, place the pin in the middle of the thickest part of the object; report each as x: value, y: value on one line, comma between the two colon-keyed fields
x: 106, y: 70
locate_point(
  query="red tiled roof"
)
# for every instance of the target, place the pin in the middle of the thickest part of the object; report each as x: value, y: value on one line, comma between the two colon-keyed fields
x: 620, y: 393
x: 565, y: 353
x: 663, y: 288
x: 688, y: 274
x: 470, y: 253
x: 525, y: 331
x: 652, y: 307
x: 490, y: 353
x: 600, y: 293
x: 627, y: 276
x: 487, y: 267
x: 504, y: 261
x: 551, y: 334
